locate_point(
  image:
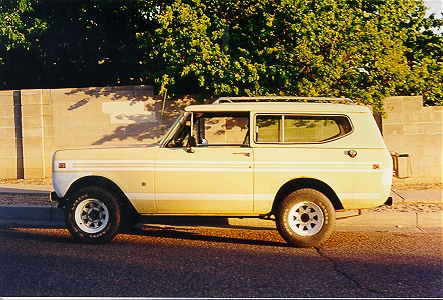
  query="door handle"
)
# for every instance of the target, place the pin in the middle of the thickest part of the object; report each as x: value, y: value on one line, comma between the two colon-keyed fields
x: 243, y: 153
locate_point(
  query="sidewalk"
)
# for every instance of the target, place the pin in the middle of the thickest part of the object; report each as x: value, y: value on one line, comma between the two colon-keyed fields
x: 51, y: 216
x: 27, y: 189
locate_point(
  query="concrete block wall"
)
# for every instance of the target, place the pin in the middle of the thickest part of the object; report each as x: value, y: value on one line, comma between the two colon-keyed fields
x: 417, y: 130
x: 62, y: 118
x: 54, y: 119
x: 8, y: 147
x: 65, y: 118
x: 34, y: 129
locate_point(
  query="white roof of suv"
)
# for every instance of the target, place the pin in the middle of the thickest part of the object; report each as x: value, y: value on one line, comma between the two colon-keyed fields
x: 281, y: 105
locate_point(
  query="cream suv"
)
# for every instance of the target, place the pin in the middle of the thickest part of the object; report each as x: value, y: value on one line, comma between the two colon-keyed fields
x: 289, y: 159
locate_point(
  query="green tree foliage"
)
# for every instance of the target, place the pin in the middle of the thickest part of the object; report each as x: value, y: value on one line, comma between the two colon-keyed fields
x: 365, y: 50
x: 425, y: 57
x: 87, y: 43
x: 15, y: 24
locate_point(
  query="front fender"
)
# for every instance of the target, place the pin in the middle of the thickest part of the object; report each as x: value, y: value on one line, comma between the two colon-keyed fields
x: 62, y: 181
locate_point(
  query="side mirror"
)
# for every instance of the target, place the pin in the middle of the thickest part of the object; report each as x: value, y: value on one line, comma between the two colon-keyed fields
x: 192, y: 142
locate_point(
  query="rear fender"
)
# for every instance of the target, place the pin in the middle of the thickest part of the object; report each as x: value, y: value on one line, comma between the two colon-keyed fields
x: 300, y: 183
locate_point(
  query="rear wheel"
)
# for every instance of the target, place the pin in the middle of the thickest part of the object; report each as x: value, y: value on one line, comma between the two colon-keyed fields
x: 305, y: 218
x: 92, y: 215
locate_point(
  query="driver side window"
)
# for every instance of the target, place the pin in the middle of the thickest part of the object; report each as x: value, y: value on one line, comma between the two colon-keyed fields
x: 222, y: 129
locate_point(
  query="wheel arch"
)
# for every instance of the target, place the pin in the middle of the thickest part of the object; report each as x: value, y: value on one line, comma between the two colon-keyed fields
x: 97, y: 181
x: 129, y: 213
x: 300, y: 183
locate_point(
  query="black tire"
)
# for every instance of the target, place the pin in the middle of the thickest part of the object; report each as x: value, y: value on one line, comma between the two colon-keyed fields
x: 305, y: 218
x: 93, y: 215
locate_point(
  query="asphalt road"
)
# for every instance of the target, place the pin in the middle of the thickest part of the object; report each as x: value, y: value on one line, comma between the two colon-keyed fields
x: 219, y: 262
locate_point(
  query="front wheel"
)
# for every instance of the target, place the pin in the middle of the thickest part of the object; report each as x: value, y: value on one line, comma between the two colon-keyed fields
x: 92, y: 215
x: 305, y: 218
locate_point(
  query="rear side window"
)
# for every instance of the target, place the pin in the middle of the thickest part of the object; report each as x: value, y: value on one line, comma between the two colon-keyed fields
x: 300, y: 128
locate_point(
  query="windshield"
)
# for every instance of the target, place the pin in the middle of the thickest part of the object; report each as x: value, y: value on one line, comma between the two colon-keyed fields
x: 179, y: 132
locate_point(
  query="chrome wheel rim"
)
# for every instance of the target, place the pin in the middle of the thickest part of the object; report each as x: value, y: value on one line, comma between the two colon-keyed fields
x: 91, y: 215
x: 305, y: 218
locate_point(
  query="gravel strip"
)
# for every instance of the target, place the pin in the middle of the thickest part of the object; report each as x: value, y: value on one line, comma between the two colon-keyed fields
x: 41, y: 181
x: 26, y: 200
x: 409, y: 207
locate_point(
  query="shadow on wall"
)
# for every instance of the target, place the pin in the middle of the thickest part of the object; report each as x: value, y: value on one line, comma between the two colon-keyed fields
x: 138, y: 131
x: 143, y: 128
x: 139, y: 115
x: 129, y: 93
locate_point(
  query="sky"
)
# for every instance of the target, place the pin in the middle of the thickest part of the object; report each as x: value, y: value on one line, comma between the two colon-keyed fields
x: 434, y: 6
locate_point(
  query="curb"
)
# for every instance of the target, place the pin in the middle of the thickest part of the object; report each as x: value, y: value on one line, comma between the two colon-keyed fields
x: 31, y: 213
x: 53, y: 217
x: 6, y: 191
x: 423, y: 221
